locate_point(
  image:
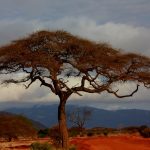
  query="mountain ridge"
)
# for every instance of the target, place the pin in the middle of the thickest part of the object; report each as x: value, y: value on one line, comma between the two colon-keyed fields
x: 47, y: 115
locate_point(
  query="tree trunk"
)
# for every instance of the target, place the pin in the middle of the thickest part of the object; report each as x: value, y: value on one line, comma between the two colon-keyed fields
x: 63, y: 125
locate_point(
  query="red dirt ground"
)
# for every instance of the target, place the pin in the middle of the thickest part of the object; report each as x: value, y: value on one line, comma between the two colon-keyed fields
x: 92, y: 143
x: 112, y: 143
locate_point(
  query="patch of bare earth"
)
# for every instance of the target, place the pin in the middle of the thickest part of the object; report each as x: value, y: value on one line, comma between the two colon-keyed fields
x: 112, y: 143
x: 20, y: 145
x: 120, y: 142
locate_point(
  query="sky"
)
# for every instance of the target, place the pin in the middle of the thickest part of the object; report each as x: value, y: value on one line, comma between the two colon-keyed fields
x: 124, y: 24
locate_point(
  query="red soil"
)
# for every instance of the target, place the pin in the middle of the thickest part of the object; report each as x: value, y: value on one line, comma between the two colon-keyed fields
x: 112, y: 143
x: 91, y: 143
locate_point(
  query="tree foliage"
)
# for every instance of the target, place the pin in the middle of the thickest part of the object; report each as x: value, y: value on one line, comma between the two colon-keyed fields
x: 58, y: 56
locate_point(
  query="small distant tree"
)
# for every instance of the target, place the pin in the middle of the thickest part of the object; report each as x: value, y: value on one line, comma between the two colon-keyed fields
x: 55, y: 59
x: 79, y: 116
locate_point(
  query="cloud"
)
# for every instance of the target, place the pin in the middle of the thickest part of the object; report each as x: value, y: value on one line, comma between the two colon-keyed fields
x: 124, y: 36
x: 129, y: 11
x: 33, y: 94
x: 17, y: 28
x: 16, y: 96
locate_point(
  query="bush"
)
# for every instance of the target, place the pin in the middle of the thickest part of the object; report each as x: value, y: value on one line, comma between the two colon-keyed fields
x: 74, y: 131
x: 41, y: 146
x: 105, y: 132
x: 90, y: 134
x: 43, y: 133
x: 72, y: 148
x: 55, y: 136
x: 145, y: 132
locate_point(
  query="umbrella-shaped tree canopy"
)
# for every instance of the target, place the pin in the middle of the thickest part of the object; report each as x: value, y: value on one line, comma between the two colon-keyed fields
x: 60, y: 55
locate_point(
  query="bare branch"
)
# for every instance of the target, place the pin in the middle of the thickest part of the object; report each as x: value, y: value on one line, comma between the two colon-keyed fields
x: 146, y: 85
x: 33, y: 79
x: 16, y: 81
x: 9, y: 68
x: 88, y: 90
x: 69, y: 89
x: 26, y: 71
x: 129, y: 95
x: 79, y: 116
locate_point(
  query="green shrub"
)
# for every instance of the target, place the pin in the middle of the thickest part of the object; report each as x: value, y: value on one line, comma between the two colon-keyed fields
x: 43, y: 133
x: 73, y: 133
x: 41, y: 146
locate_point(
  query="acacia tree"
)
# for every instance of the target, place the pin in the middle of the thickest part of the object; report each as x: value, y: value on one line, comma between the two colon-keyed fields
x: 58, y: 58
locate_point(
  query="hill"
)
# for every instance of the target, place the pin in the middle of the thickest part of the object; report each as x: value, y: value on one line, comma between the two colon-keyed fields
x: 37, y: 125
x: 47, y: 115
x: 15, y: 126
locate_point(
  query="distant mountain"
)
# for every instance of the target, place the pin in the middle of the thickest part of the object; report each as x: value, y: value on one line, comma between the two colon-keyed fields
x: 38, y: 125
x: 47, y: 115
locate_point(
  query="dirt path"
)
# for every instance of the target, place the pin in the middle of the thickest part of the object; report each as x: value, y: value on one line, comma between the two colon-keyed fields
x: 112, y: 143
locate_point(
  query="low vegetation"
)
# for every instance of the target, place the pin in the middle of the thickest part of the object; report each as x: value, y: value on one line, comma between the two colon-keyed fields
x: 144, y: 131
x: 42, y: 133
x: 47, y: 146
x: 55, y: 136
x: 75, y: 131
x: 41, y: 146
